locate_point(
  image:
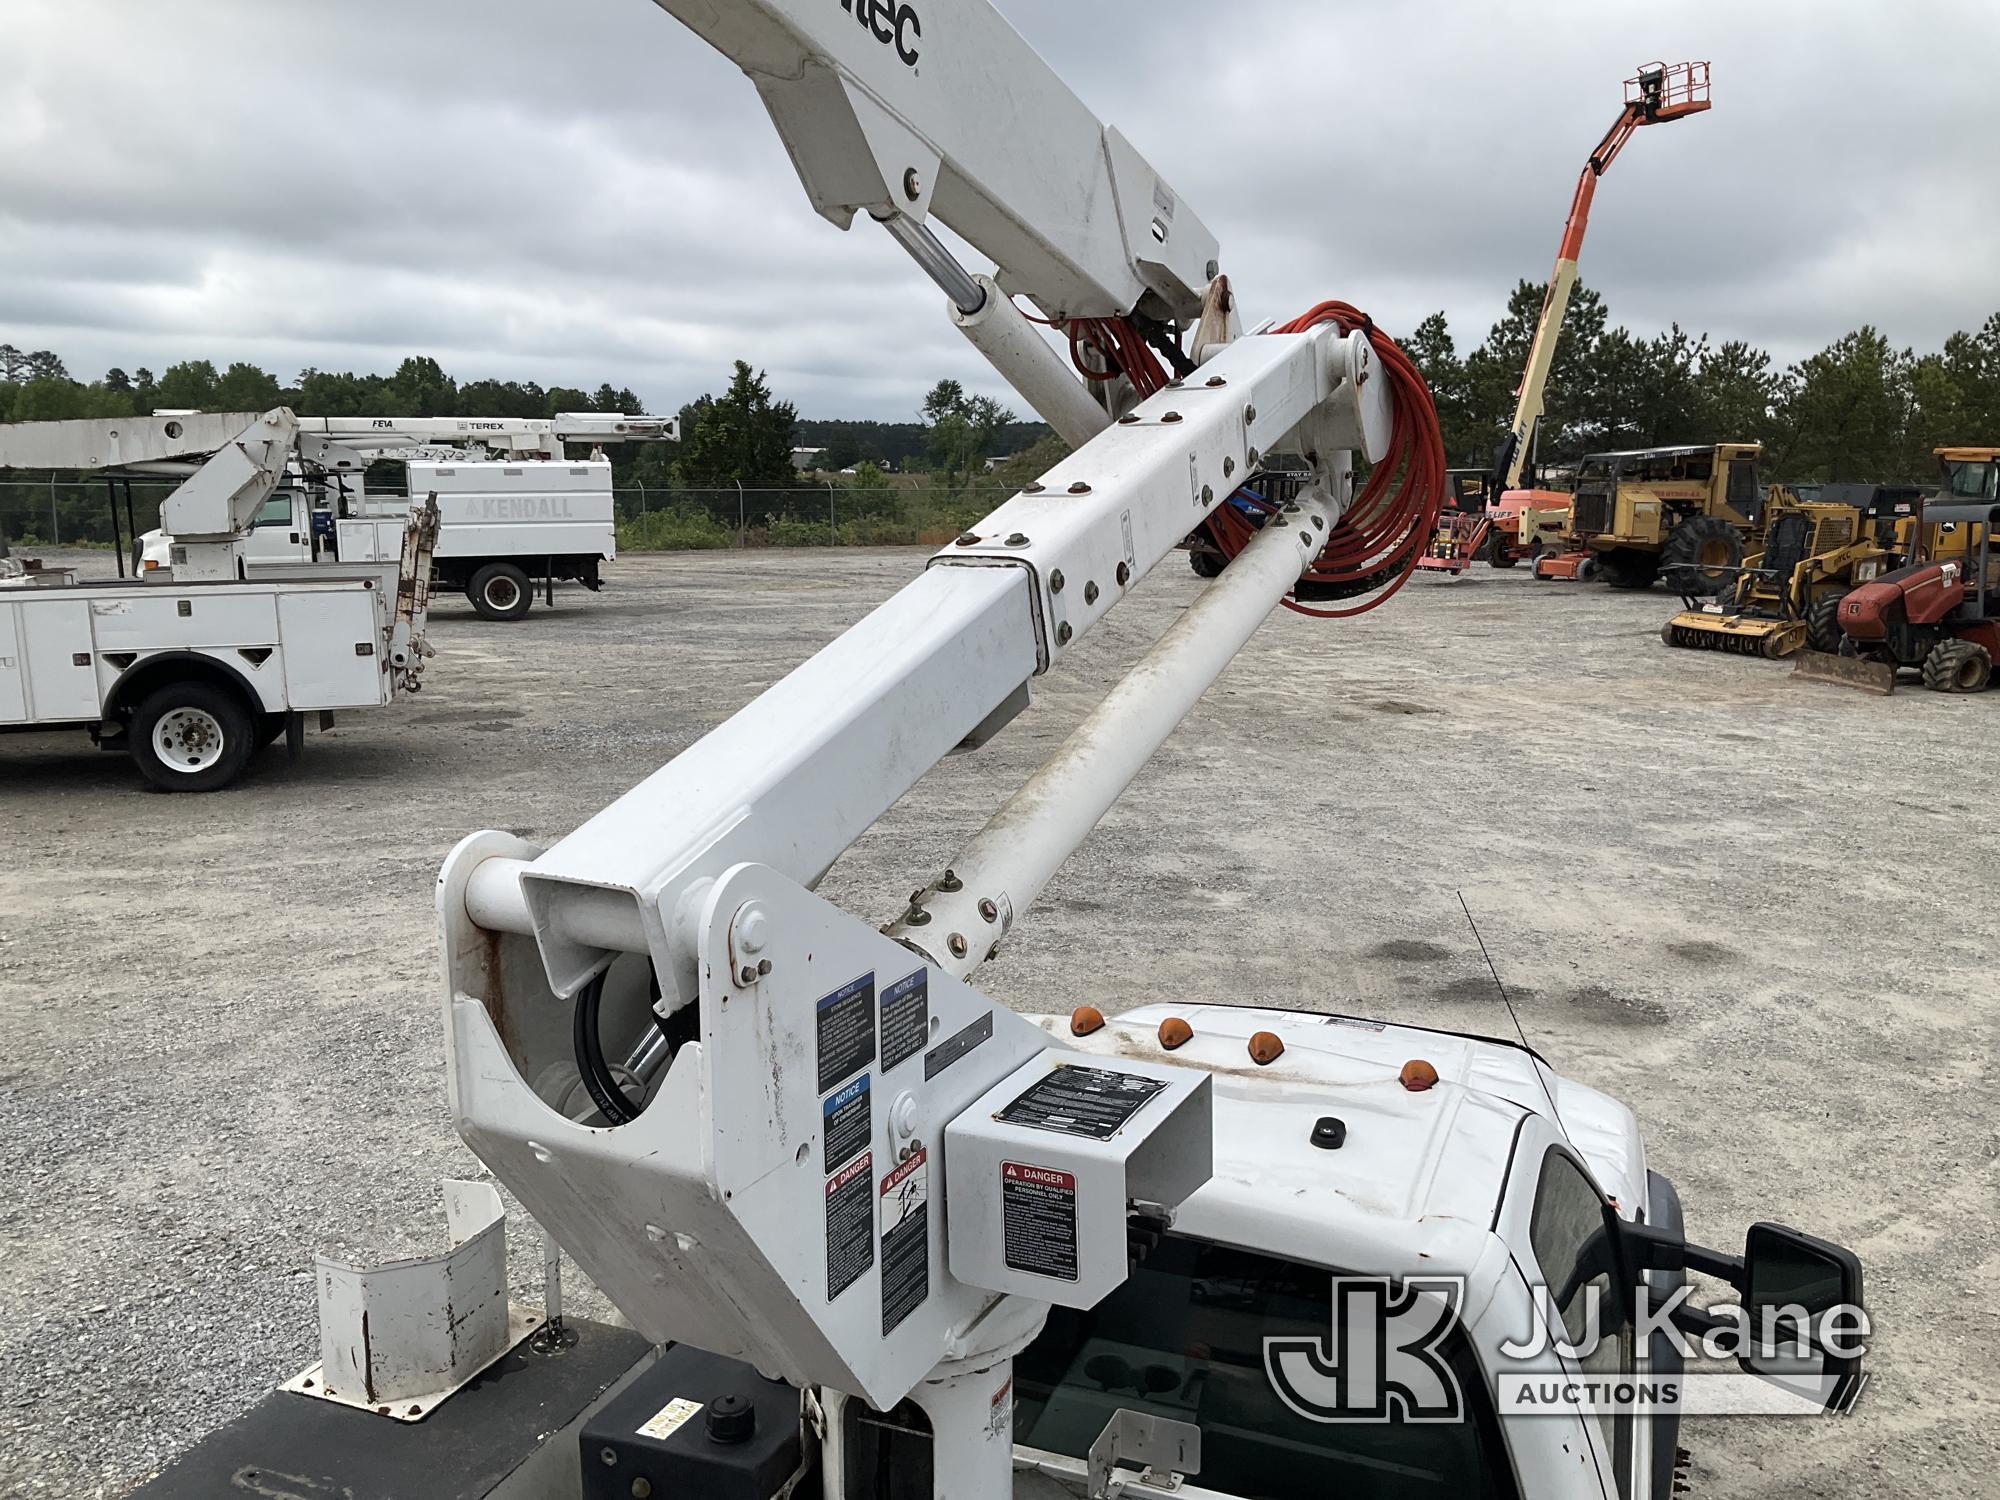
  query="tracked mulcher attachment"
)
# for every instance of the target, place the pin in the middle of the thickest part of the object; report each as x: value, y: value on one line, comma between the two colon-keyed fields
x: 1708, y: 629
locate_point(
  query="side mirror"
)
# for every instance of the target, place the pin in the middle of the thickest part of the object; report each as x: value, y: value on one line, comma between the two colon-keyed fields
x: 1807, y: 1321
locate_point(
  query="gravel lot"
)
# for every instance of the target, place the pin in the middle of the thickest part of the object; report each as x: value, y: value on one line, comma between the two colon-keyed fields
x: 1739, y: 904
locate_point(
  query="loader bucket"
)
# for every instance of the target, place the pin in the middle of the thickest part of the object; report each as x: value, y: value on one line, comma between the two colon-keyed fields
x: 1698, y: 630
x: 1877, y: 677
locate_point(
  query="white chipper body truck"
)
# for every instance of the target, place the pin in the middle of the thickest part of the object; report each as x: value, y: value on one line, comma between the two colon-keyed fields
x: 514, y: 511
x: 194, y: 672
x: 882, y: 1238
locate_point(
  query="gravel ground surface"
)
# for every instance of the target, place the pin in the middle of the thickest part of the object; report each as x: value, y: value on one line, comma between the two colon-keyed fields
x: 1739, y: 904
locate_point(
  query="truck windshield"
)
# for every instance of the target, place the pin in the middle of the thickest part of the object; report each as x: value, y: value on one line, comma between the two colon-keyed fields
x: 1183, y: 1338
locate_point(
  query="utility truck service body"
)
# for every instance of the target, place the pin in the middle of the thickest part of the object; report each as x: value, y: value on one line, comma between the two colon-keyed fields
x: 528, y: 515
x: 195, y: 667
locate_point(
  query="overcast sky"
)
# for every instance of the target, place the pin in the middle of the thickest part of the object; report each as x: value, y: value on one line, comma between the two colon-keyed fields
x: 575, y: 191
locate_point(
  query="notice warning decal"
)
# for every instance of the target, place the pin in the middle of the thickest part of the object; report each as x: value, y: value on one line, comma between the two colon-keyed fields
x: 1038, y: 1219
x: 846, y: 1031
x: 846, y: 1125
x: 906, y: 1239
x: 906, y: 1018
x: 850, y: 1225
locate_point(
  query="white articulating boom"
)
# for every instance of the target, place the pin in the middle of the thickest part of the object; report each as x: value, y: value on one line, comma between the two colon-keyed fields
x: 768, y: 1130
x: 231, y: 463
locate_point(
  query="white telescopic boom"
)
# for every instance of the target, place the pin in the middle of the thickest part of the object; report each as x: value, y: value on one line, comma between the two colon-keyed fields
x: 938, y: 107
x: 958, y: 922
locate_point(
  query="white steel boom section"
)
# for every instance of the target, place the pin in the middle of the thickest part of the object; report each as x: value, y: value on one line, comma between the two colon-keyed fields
x: 242, y: 458
x: 519, y: 435
x: 938, y: 107
x: 800, y: 773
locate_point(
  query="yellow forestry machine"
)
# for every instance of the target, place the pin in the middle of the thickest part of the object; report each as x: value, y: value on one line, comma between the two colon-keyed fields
x: 1787, y: 595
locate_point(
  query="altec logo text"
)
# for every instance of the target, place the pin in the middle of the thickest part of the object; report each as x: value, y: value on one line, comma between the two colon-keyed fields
x: 892, y: 25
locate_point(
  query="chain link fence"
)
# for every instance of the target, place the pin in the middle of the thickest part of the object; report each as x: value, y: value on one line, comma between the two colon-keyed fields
x: 91, y: 511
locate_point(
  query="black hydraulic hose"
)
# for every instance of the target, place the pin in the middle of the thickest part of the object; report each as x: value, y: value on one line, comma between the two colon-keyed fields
x: 604, y: 1090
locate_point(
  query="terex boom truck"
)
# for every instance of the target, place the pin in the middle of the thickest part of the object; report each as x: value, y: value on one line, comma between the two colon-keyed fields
x: 192, y: 675
x: 908, y: 1244
x: 1519, y: 522
x: 514, y: 510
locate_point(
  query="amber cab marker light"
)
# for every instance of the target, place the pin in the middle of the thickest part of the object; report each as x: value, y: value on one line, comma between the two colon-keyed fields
x: 1419, y: 1075
x: 1085, y: 1019
x: 1266, y: 1047
x: 1174, y: 1032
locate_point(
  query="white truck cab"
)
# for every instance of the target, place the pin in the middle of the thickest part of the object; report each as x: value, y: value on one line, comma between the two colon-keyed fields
x: 1503, y: 1177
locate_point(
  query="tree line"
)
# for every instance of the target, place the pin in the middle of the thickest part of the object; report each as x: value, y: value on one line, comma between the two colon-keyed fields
x: 1859, y: 409
x: 735, y: 440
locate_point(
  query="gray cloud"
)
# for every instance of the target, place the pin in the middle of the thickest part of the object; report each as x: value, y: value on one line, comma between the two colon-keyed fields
x: 582, y: 191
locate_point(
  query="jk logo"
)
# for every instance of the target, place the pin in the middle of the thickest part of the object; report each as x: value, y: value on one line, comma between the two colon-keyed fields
x: 1380, y: 1362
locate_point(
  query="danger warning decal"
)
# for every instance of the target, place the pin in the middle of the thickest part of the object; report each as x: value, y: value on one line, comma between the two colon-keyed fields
x: 850, y: 1225
x: 906, y: 1239
x: 1038, y: 1219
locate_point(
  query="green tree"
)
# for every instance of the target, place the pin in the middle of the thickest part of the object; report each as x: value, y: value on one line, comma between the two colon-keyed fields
x: 1468, y: 440
x: 1493, y: 373
x: 1031, y: 463
x: 46, y: 400
x: 1842, y: 413
x: 1736, y: 395
x: 502, y: 398
x: 244, y: 387
x: 741, y: 437
x: 962, y: 429
x: 188, y: 386
x: 623, y: 401
x: 423, y: 389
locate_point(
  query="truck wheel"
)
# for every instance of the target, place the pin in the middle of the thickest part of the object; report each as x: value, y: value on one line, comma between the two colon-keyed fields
x: 1499, y: 549
x: 1823, y: 632
x: 500, y: 591
x: 1207, y: 564
x: 192, y: 736
x: 1957, y: 667
x: 1701, y: 555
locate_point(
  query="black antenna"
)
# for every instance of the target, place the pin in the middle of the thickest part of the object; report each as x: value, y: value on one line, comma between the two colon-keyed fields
x: 1512, y: 1015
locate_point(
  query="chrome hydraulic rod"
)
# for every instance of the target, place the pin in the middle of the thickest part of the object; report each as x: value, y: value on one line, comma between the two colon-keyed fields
x: 959, y: 921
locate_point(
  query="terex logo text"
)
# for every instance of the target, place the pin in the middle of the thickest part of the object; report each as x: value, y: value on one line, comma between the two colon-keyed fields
x: 891, y: 24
